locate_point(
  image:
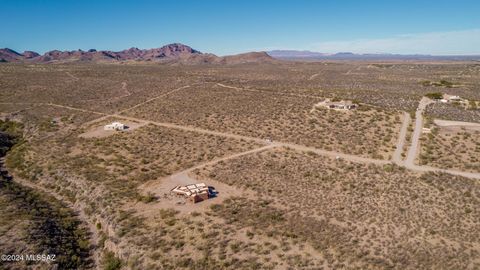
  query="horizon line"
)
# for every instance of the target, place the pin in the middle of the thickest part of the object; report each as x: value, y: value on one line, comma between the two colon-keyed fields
x: 256, y: 50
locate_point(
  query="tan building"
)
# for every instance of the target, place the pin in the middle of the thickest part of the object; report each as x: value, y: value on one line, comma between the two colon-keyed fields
x: 194, y: 192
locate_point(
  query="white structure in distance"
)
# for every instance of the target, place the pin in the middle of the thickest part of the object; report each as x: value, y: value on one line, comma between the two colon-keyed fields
x: 115, y: 126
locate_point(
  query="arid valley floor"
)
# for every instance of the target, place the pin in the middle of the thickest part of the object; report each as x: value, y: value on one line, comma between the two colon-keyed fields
x: 393, y: 184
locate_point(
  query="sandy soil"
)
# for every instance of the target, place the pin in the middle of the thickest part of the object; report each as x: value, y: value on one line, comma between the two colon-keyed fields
x: 161, y: 188
x: 457, y: 125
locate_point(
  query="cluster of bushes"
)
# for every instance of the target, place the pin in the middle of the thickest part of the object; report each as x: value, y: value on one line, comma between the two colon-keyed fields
x: 454, y: 150
x: 54, y: 228
x: 13, y: 128
x: 349, y: 194
x: 9, y: 135
x: 110, y: 261
x: 6, y: 141
x: 434, y: 95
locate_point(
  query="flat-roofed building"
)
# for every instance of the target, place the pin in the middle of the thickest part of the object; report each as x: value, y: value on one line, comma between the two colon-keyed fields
x: 337, y: 105
x: 115, y: 126
x: 193, y: 192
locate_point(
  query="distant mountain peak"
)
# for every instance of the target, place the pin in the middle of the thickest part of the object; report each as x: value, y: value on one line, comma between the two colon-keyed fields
x: 9, y: 55
x: 30, y: 54
x: 7, y: 50
x: 170, y: 53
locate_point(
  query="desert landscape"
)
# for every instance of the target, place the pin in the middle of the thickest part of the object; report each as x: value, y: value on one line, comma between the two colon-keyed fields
x: 309, y: 165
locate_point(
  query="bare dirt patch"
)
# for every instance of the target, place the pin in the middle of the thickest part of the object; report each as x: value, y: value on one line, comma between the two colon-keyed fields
x: 161, y: 189
x: 457, y: 125
x: 100, y: 132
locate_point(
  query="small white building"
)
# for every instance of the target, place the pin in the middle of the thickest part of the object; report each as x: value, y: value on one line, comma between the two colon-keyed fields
x: 338, y: 105
x: 342, y: 105
x: 115, y: 126
x: 455, y: 98
x: 449, y: 98
x: 426, y: 130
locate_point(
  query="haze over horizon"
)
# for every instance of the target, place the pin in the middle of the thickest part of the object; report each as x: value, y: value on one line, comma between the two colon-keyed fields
x: 222, y: 28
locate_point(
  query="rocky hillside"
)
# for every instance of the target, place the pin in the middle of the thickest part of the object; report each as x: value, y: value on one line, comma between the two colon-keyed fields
x: 9, y: 55
x: 172, y: 53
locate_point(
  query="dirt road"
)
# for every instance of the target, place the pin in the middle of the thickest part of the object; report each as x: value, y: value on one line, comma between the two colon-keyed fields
x: 189, y: 128
x: 163, y: 187
x: 457, y: 125
x: 184, y: 177
x: 408, y: 163
x: 313, y: 76
x: 411, y: 158
x: 417, y: 132
x: 397, y: 155
x: 75, y: 78
x: 260, y: 140
x: 154, y: 98
x: 124, y: 86
x: 424, y: 168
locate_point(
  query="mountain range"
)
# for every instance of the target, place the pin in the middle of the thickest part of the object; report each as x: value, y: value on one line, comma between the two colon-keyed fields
x: 177, y: 53
x: 312, y: 56
x: 171, y: 53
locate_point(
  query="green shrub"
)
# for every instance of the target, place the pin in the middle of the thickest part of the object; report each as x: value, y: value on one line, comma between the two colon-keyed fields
x: 110, y: 261
x: 150, y: 197
x: 434, y: 95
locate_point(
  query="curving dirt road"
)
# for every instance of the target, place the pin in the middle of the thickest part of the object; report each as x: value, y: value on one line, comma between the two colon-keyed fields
x: 313, y: 76
x: 408, y: 163
x: 184, y: 178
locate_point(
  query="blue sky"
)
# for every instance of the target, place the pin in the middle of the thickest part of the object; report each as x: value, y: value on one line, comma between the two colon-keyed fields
x: 231, y: 26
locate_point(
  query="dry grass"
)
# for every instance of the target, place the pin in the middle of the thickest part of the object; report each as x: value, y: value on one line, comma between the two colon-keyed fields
x: 367, y: 132
x: 454, y: 112
x: 108, y: 170
x: 306, y: 211
x: 451, y: 149
x: 213, y: 242
x: 150, y: 153
x: 367, y: 216
x: 93, y: 86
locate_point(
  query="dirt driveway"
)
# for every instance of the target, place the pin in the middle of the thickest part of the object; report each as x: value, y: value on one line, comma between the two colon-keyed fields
x: 457, y: 125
